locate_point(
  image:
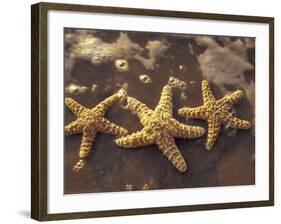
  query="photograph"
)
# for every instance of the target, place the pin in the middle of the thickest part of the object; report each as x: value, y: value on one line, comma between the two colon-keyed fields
x: 157, y: 111
x: 144, y: 111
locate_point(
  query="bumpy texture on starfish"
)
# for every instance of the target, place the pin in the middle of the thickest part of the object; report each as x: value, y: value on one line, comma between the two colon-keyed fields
x: 216, y: 113
x: 160, y: 128
x: 91, y: 121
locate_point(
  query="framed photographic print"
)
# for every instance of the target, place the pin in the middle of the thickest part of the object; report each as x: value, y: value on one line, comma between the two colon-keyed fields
x: 138, y: 111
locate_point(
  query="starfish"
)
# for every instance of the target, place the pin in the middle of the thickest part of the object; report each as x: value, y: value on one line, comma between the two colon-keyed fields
x: 216, y: 113
x: 91, y: 121
x: 160, y: 128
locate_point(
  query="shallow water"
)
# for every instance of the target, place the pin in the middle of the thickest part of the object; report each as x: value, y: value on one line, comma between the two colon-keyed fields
x: 111, y: 168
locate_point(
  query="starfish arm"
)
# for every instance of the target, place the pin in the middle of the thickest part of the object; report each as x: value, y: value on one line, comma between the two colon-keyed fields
x: 140, y: 109
x: 214, y: 126
x: 234, y: 122
x: 180, y: 130
x: 74, y: 127
x: 137, y: 139
x: 108, y: 127
x: 165, y: 103
x: 169, y: 149
x: 75, y: 107
x: 196, y: 112
x: 228, y: 100
x: 105, y: 104
x: 79, y: 165
x: 208, y: 96
x: 88, y: 137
